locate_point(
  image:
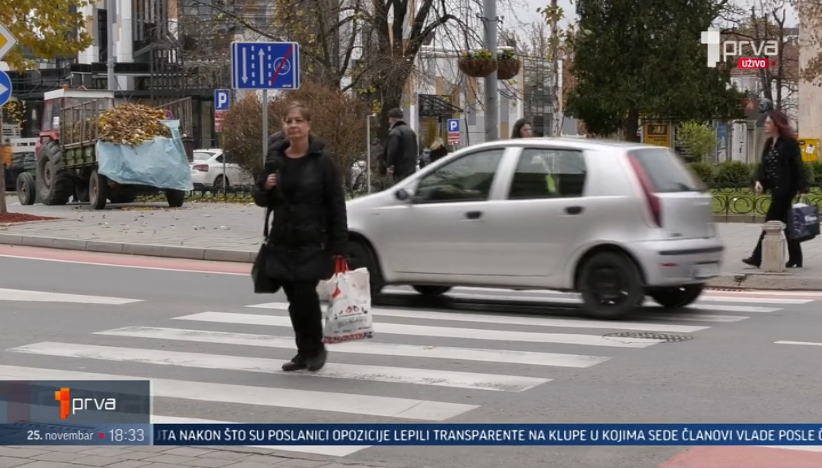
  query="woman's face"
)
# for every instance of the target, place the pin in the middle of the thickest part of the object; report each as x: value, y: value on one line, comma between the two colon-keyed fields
x: 525, y: 131
x: 770, y: 128
x: 296, y: 125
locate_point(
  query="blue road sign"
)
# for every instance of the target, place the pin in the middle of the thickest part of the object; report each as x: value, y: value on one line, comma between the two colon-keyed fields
x: 5, y: 88
x: 453, y: 125
x: 222, y: 99
x: 265, y: 65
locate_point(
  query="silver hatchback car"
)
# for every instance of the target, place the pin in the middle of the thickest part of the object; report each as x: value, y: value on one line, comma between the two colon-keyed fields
x: 613, y: 221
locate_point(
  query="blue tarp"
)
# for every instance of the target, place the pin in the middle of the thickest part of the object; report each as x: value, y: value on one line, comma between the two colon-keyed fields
x: 160, y: 162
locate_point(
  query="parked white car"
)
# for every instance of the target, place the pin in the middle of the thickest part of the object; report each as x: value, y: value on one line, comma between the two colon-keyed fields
x: 208, y: 171
x: 613, y: 221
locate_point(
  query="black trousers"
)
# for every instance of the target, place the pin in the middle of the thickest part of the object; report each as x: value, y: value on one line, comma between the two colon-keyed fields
x: 306, y: 316
x: 780, y: 210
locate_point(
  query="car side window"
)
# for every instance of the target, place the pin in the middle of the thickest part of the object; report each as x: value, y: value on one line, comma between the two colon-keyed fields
x: 548, y: 173
x: 468, y: 178
x: 219, y: 159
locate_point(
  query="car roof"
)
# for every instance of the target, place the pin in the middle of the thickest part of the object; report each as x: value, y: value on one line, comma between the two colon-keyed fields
x: 580, y: 143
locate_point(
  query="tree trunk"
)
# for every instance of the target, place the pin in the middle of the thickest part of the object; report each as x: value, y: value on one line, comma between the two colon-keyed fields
x: 631, y: 126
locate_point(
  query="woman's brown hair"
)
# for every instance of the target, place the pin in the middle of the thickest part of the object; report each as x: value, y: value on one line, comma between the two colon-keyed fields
x: 782, y: 123
x: 304, y: 112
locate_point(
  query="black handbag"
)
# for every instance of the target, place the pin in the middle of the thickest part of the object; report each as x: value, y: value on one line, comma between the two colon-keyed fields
x: 263, y: 283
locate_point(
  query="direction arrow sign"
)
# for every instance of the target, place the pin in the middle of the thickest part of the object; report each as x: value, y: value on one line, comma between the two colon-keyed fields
x: 5, y: 88
x: 7, y: 41
x: 265, y: 65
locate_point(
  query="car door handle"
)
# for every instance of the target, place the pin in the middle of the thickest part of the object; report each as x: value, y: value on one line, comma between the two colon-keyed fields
x: 574, y: 210
x: 473, y: 214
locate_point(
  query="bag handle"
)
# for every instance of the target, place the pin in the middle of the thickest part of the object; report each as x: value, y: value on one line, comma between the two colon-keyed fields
x: 340, y: 265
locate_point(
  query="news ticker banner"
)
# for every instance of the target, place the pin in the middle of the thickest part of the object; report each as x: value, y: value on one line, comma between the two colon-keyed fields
x: 416, y: 434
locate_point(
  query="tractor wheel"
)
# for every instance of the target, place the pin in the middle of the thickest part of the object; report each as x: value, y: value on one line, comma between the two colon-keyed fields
x: 54, y: 183
x: 97, y: 190
x: 26, y: 189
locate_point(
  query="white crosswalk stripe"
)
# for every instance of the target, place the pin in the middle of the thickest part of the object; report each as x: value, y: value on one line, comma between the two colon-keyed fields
x: 443, y: 361
x: 21, y: 295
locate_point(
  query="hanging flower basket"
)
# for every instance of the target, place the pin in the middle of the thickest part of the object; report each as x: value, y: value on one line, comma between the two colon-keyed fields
x: 478, y: 68
x: 507, y: 64
x: 477, y: 63
x: 507, y: 69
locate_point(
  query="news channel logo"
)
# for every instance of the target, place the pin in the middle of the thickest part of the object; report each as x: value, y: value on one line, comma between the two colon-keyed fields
x: 723, y: 50
x: 71, y: 406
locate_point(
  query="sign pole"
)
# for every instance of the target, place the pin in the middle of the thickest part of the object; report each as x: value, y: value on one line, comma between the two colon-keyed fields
x: 265, y: 124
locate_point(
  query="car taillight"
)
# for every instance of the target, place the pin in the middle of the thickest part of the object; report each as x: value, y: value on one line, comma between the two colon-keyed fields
x: 654, y: 204
x: 200, y: 167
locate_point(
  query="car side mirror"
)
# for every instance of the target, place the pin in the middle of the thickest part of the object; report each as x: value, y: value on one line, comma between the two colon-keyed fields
x: 403, y: 195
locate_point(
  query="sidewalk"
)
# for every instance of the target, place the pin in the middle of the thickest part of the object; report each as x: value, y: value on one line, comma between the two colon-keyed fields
x: 232, y: 232
x: 165, y: 457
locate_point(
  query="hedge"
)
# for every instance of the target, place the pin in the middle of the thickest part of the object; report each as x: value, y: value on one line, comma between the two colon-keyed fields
x: 739, y: 174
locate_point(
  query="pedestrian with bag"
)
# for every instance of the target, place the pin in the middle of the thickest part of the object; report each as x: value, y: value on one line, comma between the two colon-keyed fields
x: 302, y: 187
x: 782, y: 174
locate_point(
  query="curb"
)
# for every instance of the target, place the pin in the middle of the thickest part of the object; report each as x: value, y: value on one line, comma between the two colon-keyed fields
x: 148, y: 250
x: 772, y: 281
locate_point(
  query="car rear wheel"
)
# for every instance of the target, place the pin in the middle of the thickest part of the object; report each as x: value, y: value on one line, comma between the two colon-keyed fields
x: 360, y: 256
x: 673, y: 298
x: 610, y: 285
x: 431, y: 290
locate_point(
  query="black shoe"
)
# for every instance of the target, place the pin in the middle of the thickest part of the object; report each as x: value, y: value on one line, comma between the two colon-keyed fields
x: 793, y: 265
x: 295, y: 364
x: 317, y: 362
x: 750, y: 261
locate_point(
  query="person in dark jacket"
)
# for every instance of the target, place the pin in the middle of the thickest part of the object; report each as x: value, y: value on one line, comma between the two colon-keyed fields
x: 438, y: 149
x: 402, y: 149
x: 522, y: 129
x: 782, y: 174
x: 302, y: 185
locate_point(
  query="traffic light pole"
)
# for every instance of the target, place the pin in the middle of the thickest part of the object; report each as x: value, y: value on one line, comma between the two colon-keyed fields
x: 3, y: 207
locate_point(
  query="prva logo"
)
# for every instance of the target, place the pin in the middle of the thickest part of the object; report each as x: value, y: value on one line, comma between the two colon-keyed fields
x: 71, y: 406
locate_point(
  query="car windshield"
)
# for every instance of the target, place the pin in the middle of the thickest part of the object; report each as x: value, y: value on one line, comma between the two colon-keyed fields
x: 202, y: 155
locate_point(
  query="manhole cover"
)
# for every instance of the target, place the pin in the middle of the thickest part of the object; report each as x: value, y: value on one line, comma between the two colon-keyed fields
x: 628, y: 337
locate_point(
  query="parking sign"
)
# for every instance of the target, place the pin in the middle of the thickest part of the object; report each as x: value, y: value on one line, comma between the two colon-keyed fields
x: 222, y: 99
x: 453, y: 130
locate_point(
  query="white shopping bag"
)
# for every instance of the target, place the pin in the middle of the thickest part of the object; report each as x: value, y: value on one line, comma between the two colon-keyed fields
x: 348, y: 316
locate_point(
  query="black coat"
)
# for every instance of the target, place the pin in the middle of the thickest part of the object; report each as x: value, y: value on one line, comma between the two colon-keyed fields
x: 401, y: 150
x: 792, y: 179
x: 310, y: 227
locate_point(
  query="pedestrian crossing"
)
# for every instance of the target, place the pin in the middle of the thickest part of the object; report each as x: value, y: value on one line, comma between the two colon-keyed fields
x: 422, y: 365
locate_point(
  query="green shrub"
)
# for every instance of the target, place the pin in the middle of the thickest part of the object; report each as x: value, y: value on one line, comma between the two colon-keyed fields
x: 733, y: 174
x: 810, y: 173
x: 815, y: 177
x: 703, y: 170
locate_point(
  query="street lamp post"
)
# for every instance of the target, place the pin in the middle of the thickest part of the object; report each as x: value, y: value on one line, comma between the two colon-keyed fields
x: 368, y: 152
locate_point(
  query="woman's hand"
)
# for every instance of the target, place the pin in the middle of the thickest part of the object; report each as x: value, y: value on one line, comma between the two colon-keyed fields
x: 758, y: 187
x: 270, y: 182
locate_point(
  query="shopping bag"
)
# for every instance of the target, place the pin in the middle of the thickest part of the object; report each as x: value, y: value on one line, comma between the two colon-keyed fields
x: 348, y: 315
x: 803, y: 224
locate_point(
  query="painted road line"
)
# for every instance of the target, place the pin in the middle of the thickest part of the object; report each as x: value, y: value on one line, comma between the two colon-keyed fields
x: 441, y: 332
x: 706, y: 293
x: 698, y: 317
x: 398, y: 375
x: 328, y: 450
x: 513, y: 320
x: 369, y: 405
x: 20, y: 295
x: 502, y: 356
x: 798, y: 343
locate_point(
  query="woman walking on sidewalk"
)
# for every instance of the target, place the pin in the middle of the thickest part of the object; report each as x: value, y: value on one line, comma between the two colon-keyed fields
x: 782, y: 174
x: 309, y: 230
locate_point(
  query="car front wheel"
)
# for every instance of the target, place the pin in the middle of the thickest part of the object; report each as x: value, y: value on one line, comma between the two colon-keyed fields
x: 361, y: 256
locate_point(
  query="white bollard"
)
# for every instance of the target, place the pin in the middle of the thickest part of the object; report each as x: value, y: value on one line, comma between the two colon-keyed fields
x: 773, y: 247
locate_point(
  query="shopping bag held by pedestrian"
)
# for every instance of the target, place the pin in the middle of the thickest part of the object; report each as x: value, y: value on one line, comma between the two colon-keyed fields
x: 348, y: 316
x: 263, y: 284
x: 803, y: 224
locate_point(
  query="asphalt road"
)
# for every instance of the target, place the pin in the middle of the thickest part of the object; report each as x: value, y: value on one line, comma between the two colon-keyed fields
x: 475, y: 356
